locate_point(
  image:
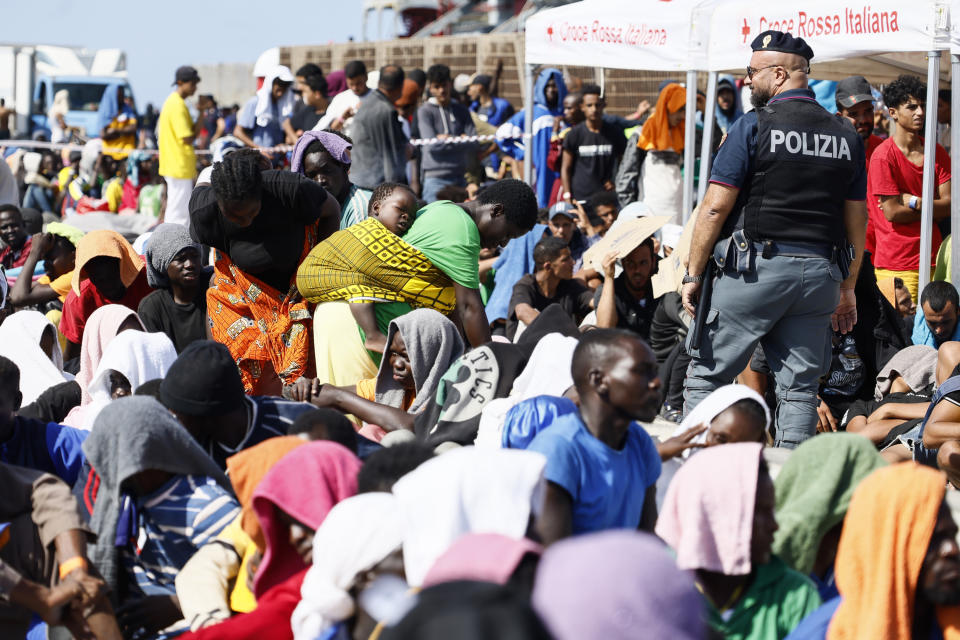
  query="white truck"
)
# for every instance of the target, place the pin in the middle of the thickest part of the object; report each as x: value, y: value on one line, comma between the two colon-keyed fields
x: 30, y: 76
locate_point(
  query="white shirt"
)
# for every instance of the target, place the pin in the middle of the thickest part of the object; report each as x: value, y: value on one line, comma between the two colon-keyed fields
x: 337, y: 107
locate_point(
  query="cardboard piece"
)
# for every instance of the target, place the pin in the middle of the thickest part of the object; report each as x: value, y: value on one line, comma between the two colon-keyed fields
x: 669, y: 275
x: 623, y: 239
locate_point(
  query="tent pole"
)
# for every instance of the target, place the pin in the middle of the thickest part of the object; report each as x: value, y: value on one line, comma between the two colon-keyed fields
x: 929, y: 169
x: 954, y: 274
x: 706, y: 147
x: 528, y: 128
x: 689, y: 152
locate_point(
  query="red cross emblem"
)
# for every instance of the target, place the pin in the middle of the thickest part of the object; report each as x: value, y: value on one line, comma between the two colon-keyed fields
x: 745, y: 31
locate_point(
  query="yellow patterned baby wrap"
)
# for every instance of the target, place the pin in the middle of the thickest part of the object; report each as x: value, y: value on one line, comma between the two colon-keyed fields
x: 367, y: 263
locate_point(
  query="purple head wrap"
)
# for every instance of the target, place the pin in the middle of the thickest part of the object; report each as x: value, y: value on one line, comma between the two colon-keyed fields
x: 336, y: 82
x: 337, y: 147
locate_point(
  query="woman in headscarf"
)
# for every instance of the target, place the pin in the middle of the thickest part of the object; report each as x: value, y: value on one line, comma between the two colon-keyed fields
x: 262, y: 223
x: 463, y: 491
x: 30, y: 341
x: 105, y: 324
x: 178, y: 307
x: 813, y: 490
x: 288, y: 516
x: 116, y: 122
x: 324, y: 156
x: 662, y: 141
x: 215, y: 582
x: 897, y: 564
x: 160, y: 499
x: 132, y: 359
x: 107, y: 271
x: 732, y: 413
x: 422, y: 346
x: 718, y: 517
x: 363, y: 534
x: 636, y: 590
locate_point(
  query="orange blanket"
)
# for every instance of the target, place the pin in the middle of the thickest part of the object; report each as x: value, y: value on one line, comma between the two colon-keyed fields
x: 885, y: 538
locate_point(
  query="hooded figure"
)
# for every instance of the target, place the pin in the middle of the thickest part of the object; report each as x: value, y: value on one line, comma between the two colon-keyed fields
x: 726, y: 117
x: 636, y: 590
x: 510, y: 133
x: 813, y: 491
x: 132, y: 435
x: 329, y: 470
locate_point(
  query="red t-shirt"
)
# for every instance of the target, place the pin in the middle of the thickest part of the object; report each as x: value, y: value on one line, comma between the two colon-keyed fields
x: 76, y: 309
x: 11, y: 259
x: 891, y: 173
x: 872, y: 143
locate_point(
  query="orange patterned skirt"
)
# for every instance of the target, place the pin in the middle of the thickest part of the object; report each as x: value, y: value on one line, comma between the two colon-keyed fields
x: 259, y: 324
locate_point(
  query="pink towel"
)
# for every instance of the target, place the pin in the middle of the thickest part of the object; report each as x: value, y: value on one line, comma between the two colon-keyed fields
x: 305, y: 484
x: 100, y: 329
x: 707, y: 515
x: 487, y: 557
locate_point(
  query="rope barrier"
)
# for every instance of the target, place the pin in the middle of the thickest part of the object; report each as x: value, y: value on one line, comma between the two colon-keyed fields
x: 284, y: 148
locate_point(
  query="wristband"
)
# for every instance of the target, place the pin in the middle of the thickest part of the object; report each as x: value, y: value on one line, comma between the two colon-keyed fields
x: 565, y: 195
x: 71, y: 565
x: 913, y: 202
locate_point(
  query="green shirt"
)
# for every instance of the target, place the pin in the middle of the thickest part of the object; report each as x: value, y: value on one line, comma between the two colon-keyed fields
x: 449, y: 237
x: 774, y: 604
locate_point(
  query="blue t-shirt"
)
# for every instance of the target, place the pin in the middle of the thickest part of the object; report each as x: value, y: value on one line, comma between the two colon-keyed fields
x: 734, y: 160
x: 526, y: 419
x: 50, y: 447
x: 607, y: 486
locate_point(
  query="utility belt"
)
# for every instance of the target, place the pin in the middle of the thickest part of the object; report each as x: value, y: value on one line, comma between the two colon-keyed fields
x: 738, y: 253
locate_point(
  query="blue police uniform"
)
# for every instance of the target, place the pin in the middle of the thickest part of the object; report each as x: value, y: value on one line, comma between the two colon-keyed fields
x: 782, y: 252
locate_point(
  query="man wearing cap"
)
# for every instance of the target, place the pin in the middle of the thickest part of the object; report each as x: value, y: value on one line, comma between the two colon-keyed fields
x: 783, y: 220
x: 855, y: 103
x: 176, y: 132
x: 490, y: 109
x: 563, y: 225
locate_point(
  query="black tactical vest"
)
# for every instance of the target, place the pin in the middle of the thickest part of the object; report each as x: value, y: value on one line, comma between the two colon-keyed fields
x: 805, y: 161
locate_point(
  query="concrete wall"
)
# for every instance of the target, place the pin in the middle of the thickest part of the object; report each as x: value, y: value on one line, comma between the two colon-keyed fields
x: 479, y: 53
x: 228, y: 83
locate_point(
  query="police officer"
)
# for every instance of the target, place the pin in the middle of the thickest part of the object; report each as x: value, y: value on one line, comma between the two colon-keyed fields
x: 782, y: 225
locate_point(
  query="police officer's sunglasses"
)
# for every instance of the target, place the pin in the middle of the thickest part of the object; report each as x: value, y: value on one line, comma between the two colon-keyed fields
x: 752, y: 71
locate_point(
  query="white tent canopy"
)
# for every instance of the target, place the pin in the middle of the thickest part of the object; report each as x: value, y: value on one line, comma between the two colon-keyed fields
x: 836, y: 30
x: 623, y: 35
x: 620, y: 35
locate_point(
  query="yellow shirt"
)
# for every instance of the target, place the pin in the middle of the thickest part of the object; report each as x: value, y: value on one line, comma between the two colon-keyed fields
x: 113, y: 193
x: 177, y: 159
x: 117, y: 148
